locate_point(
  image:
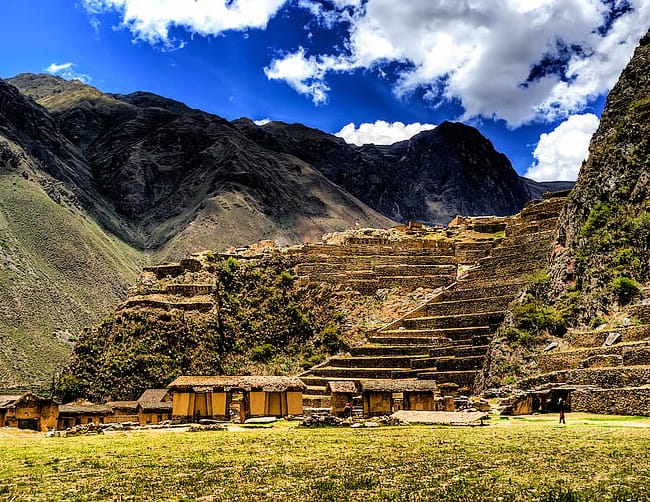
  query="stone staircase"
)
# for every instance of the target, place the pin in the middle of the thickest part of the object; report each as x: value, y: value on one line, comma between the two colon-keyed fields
x: 598, y: 371
x: 447, y: 338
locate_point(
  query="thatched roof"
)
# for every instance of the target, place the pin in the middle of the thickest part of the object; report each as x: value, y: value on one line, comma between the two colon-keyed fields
x: 406, y: 385
x: 153, y: 396
x: 242, y: 383
x: 8, y: 400
x: 155, y: 400
x: 342, y: 386
x: 85, y: 409
x: 124, y: 405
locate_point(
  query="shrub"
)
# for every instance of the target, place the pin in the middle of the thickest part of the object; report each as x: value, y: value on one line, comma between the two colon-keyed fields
x: 262, y: 353
x: 625, y: 289
x: 330, y: 339
x: 535, y: 318
x: 600, y: 214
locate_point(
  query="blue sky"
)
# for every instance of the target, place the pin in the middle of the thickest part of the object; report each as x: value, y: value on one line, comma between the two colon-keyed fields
x: 532, y: 75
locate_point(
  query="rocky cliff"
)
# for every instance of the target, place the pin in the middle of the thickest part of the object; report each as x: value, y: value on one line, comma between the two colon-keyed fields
x: 604, y: 231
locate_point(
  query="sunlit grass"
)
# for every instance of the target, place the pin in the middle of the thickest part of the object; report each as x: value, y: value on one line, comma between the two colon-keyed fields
x: 528, y: 459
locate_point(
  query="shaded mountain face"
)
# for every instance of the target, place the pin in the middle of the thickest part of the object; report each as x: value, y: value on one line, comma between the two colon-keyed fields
x: 604, y: 230
x: 182, y: 179
x: 432, y: 177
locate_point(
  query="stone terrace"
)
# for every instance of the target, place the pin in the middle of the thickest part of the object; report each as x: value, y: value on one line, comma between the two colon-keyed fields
x: 447, y: 338
x: 600, y: 371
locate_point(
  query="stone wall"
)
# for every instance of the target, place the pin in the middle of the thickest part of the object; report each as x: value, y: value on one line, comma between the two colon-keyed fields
x: 612, y: 401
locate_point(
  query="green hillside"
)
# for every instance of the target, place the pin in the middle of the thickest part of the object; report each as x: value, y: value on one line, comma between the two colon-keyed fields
x: 59, y: 271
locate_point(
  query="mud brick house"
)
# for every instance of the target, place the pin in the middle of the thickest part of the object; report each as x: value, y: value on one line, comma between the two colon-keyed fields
x: 28, y: 411
x: 382, y: 397
x: 80, y: 414
x: 154, y: 406
x: 196, y: 397
x: 123, y: 411
x: 342, y: 392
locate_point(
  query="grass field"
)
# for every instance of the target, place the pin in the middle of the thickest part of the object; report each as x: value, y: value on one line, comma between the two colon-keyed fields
x: 591, y: 458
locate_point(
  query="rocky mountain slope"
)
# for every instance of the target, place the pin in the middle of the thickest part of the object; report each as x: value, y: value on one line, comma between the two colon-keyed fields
x: 59, y: 270
x: 604, y: 231
x: 432, y: 177
x: 180, y: 180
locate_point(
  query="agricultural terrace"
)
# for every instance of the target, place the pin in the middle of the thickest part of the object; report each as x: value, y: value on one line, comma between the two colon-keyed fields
x: 526, y: 458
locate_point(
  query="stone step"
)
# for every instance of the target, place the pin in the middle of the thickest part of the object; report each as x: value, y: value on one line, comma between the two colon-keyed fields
x: 459, y: 350
x: 464, y: 379
x: 616, y: 401
x: 311, y: 380
x: 416, y: 281
x: 493, y: 318
x: 597, y: 338
x: 627, y: 354
x: 333, y: 372
x: 366, y: 261
x: 497, y: 276
x: 316, y: 401
x: 428, y: 342
x: 606, y: 378
x: 408, y: 270
x: 435, y: 335
x: 469, y: 293
x: 375, y: 362
x: 451, y: 363
x: 524, y: 257
x: 538, y: 247
x: 466, y: 306
x: 389, y: 350
x: 314, y: 390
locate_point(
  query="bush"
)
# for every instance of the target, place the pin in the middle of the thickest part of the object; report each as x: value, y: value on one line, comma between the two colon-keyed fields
x: 625, y: 289
x: 262, y: 353
x: 600, y: 214
x: 535, y: 318
x: 330, y: 339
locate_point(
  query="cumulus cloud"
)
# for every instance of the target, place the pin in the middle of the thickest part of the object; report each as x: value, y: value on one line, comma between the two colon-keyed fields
x: 262, y: 122
x: 66, y: 71
x: 518, y: 60
x: 381, y: 132
x: 559, y: 153
x: 151, y: 20
x: 306, y: 74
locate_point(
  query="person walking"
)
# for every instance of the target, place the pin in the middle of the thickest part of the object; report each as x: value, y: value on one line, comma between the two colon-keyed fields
x: 562, y: 406
x: 347, y: 410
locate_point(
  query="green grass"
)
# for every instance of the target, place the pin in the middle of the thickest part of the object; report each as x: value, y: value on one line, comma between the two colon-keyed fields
x: 507, y: 460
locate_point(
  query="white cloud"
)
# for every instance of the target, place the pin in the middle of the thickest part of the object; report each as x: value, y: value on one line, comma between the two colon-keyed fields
x: 66, y: 71
x: 381, y: 132
x: 306, y: 74
x: 481, y: 53
x: 262, y: 122
x: 56, y: 68
x: 151, y: 20
x: 559, y: 153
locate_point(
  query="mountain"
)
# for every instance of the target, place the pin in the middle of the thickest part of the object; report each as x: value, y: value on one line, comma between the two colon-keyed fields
x: 432, y: 177
x: 180, y: 179
x: 59, y: 269
x: 603, y: 246
x: 90, y: 180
